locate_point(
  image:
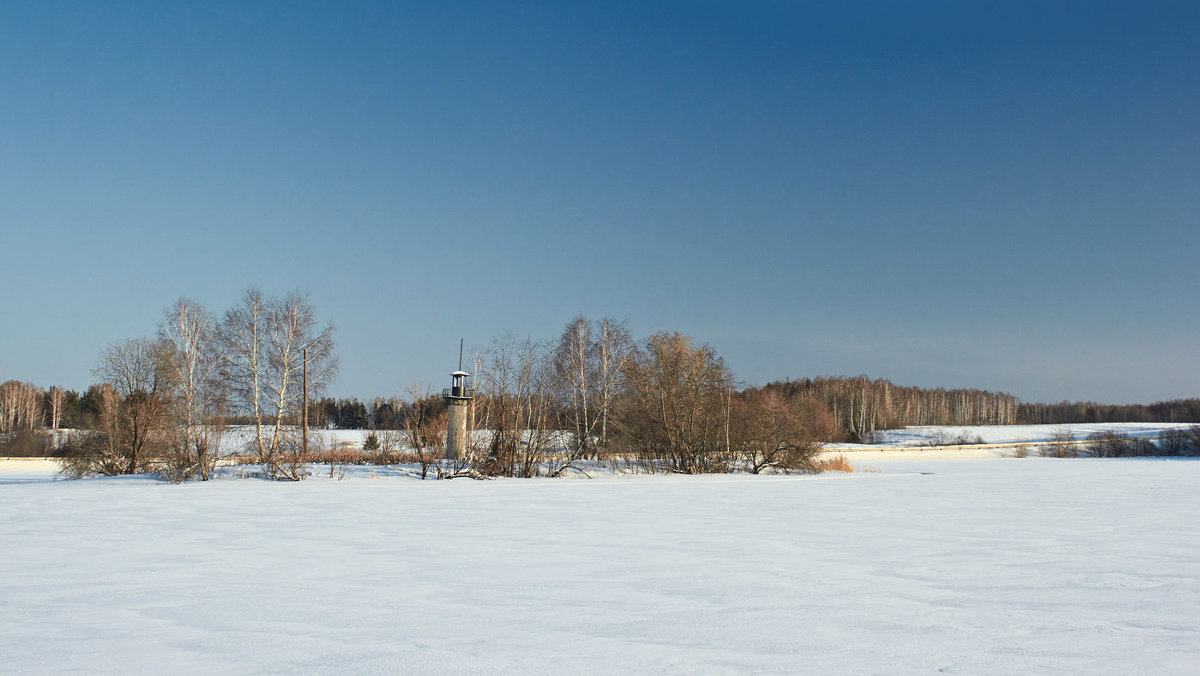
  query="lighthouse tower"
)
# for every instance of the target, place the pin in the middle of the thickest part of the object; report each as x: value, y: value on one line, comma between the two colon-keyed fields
x: 457, y: 397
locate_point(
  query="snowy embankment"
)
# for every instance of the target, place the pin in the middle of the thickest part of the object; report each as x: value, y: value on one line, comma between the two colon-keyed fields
x: 1002, y: 434
x: 999, y: 566
x: 996, y: 441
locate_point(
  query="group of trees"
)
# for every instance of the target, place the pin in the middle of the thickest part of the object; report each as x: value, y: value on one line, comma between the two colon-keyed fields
x: 663, y: 403
x: 163, y: 401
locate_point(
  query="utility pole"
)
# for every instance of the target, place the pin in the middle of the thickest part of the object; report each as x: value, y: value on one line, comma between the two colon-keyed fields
x: 304, y: 417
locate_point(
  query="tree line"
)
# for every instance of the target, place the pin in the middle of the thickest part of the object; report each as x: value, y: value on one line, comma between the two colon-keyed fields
x: 861, y: 406
x: 165, y: 402
x: 1175, y: 410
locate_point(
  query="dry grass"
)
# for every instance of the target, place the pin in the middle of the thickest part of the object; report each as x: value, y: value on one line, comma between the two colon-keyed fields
x: 839, y: 463
x: 348, y: 454
x: 835, y: 463
x: 344, y: 453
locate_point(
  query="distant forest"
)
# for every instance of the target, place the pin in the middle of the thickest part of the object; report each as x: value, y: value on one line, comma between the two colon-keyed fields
x: 860, y: 406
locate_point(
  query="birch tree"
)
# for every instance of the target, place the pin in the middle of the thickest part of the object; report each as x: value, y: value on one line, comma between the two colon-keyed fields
x: 518, y: 386
x: 20, y: 407
x: 54, y: 399
x: 589, y: 360
x: 197, y: 393
x: 243, y: 334
x: 574, y: 362
x: 266, y: 343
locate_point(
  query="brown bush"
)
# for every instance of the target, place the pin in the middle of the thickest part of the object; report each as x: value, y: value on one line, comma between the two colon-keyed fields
x: 1110, y: 444
x: 769, y: 431
x: 1064, y: 445
x: 26, y: 444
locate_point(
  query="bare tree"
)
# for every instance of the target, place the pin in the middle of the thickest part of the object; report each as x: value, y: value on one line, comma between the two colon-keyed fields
x: 243, y: 335
x: 102, y: 450
x: 197, y: 393
x: 768, y: 431
x: 425, y: 429
x: 54, y: 397
x: 265, y: 344
x: 575, y: 364
x: 296, y: 349
x: 614, y: 349
x: 137, y: 371
x: 675, y: 411
x: 589, y: 360
x: 1063, y: 445
x: 518, y: 386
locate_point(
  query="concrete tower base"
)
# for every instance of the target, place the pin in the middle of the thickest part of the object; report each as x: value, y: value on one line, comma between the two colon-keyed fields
x: 456, y: 429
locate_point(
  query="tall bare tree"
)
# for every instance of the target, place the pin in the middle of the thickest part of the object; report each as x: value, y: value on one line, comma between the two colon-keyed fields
x: 54, y: 398
x: 675, y: 410
x: 296, y: 348
x: 243, y: 335
x: 265, y: 343
x: 614, y: 348
x: 575, y: 365
x: 518, y: 387
x: 425, y: 429
x: 589, y: 360
x: 197, y: 393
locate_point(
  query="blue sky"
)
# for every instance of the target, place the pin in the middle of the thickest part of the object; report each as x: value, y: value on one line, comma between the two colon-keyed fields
x: 996, y: 195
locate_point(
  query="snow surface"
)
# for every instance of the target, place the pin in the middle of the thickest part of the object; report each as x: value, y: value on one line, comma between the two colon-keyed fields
x: 999, y: 434
x: 989, y: 566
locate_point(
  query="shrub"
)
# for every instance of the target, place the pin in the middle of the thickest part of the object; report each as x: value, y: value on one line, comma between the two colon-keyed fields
x: 26, y: 444
x: 1063, y: 445
x: 1180, y: 441
x: 1109, y: 444
x: 91, y: 454
x: 943, y: 438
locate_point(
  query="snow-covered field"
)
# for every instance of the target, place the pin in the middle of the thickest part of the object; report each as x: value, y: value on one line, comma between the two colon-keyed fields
x: 987, y: 566
x: 1000, y: 434
x: 238, y: 439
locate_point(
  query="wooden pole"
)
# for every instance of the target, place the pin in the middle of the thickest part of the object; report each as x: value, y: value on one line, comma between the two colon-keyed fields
x: 305, y: 415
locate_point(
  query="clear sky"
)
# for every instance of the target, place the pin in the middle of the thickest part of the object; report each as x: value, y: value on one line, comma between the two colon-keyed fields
x: 1002, y: 195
